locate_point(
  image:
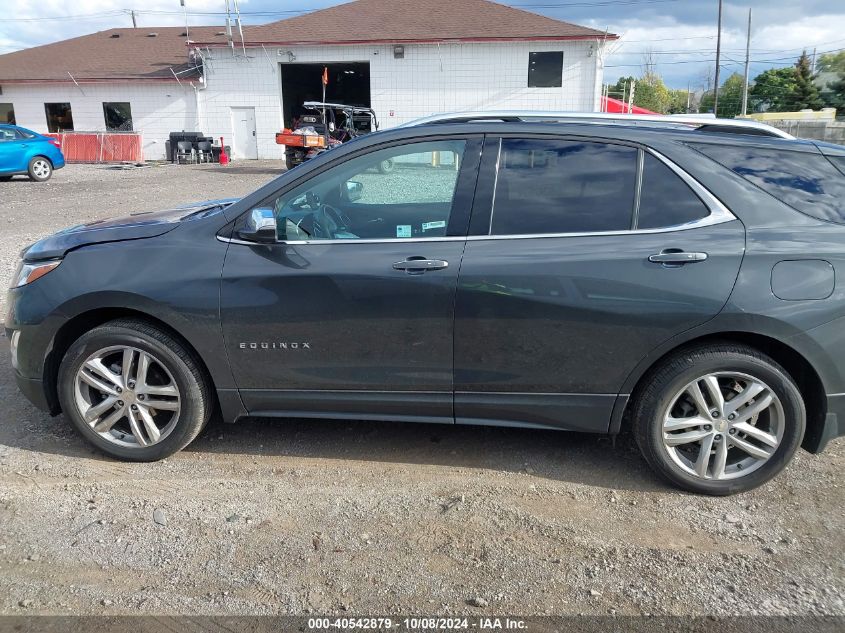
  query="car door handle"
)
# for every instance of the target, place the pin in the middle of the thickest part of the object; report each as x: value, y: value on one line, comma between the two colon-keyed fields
x: 677, y: 257
x: 416, y: 266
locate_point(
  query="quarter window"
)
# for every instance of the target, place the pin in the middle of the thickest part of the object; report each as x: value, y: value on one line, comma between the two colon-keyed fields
x: 118, y: 116
x: 806, y: 181
x: 545, y: 70
x: 558, y: 186
x: 7, y: 113
x: 59, y: 117
x: 665, y: 199
x: 396, y: 193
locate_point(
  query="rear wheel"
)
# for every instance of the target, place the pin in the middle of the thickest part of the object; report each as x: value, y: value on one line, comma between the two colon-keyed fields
x: 134, y: 391
x: 386, y: 166
x: 719, y: 419
x: 40, y: 169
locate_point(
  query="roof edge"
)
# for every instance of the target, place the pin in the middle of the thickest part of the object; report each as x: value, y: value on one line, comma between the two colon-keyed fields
x: 536, y: 38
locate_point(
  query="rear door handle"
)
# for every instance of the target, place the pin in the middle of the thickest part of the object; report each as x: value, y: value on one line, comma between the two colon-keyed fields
x: 416, y: 266
x: 677, y: 257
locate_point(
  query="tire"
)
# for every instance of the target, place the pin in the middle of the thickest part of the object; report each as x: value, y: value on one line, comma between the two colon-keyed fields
x: 180, y: 416
x: 386, y: 166
x: 776, y: 430
x: 289, y: 162
x: 40, y: 169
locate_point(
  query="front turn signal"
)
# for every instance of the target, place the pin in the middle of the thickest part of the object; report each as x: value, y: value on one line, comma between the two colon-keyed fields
x: 27, y: 273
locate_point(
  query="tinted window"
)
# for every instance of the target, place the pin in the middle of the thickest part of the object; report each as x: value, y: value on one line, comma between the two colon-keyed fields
x: 59, y: 117
x: 118, y: 116
x: 839, y: 161
x: 7, y: 113
x: 549, y: 186
x: 805, y: 181
x: 545, y: 70
x: 666, y: 200
x: 399, y: 192
x: 7, y: 134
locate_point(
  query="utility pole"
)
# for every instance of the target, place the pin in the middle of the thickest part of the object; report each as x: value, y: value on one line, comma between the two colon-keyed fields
x: 747, y: 64
x: 134, y: 23
x: 631, y: 97
x: 689, y: 96
x: 718, y: 60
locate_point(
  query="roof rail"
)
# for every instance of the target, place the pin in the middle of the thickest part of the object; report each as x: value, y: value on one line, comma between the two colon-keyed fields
x: 704, y: 122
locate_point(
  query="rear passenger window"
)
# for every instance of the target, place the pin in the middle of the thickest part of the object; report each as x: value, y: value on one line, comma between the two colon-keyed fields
x: 666, y: 200
x: 806, y: 181
x: 557, y: 186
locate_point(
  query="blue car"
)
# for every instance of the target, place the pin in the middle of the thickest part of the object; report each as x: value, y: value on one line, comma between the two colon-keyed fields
x: 23, y: 151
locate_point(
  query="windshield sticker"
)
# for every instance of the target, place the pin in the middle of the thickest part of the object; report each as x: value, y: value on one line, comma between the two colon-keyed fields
x: 427, y: 226
x: 403, y: 230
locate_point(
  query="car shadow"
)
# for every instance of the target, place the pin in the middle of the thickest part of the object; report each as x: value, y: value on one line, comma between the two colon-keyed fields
x: 582, y: 458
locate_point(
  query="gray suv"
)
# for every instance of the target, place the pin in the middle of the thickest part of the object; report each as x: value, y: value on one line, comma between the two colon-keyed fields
x: 681, y: 278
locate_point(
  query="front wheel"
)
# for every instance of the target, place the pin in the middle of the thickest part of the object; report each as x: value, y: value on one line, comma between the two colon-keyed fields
x: 40, y: 169
x: 134, y: 391
x: 719, y: 419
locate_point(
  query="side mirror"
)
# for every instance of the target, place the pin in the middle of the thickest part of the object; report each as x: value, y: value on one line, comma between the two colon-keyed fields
x: 354, y: 190
x: 260, y: 227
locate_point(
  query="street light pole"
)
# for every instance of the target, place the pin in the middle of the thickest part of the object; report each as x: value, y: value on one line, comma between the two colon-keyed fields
x: 718, y: 60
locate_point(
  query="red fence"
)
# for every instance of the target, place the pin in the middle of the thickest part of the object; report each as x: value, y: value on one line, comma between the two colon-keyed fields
x: 101, y: 147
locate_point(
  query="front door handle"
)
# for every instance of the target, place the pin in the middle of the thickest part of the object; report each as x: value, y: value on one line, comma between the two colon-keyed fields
x: 418, y: 265
x: 677, y: 258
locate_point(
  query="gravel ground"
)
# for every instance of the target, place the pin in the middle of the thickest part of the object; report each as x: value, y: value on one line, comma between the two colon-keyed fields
x: 294, y: 517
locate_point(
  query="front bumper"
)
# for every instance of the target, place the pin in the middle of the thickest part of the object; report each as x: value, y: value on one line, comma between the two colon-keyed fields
x: 833, y: 426
x: 34, y: 391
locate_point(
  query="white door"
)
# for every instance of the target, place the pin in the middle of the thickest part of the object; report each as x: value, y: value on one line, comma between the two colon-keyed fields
x: 244, y: 144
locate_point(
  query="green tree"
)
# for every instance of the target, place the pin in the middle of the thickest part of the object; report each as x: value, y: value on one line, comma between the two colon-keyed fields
x: 678, y: 100
x: 831, y: 62
x: 730, y: 98
x: 772, y: 90
x: 649, y: 92
x: 806, y: 92
x: 835, y: 94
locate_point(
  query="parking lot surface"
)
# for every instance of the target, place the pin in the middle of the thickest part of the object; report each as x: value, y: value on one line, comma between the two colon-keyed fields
x: 294, y: 517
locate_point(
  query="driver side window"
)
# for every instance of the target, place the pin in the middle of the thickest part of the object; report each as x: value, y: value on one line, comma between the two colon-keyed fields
x: 394, y: 193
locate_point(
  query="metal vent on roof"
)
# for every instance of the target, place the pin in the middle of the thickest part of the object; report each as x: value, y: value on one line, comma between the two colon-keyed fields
x: 183, y: 34
x: 152, y: 34
x: 114, y: 36
x: 220, y: 33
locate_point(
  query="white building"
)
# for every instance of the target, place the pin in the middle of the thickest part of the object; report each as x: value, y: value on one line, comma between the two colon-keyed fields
x: 403, y: 58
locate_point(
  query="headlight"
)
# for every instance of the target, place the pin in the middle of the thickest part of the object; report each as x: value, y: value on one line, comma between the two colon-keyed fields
x: 27, y: 273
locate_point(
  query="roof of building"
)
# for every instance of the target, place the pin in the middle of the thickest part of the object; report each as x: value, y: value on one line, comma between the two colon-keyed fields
x: 157, y: 53
x: 111, y: 55
x: 409, y: 21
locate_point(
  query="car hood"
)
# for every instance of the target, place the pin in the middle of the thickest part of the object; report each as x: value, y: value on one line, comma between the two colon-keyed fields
x: 133, y: 227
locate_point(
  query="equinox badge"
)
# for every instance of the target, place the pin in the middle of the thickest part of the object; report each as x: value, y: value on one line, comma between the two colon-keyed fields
x: 280, y: 346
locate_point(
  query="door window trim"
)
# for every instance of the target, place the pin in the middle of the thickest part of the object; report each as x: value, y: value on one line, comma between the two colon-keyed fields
x: 470, y: 165
x: 719, y: 213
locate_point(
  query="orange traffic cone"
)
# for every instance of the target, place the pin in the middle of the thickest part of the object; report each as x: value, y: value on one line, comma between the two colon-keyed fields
x: 224, y: 157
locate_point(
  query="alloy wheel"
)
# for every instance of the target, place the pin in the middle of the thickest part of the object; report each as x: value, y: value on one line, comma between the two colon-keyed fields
x: 127, y: 396
x: 723, y: 425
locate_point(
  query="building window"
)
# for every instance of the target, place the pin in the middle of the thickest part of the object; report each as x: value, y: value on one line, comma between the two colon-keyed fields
x: 7, y: 113
x: 59, y: 117
x: 545, y: 70
x: 118, y: 115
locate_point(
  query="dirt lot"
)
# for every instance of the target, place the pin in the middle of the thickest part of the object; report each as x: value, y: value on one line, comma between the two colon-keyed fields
x: 316, y: 517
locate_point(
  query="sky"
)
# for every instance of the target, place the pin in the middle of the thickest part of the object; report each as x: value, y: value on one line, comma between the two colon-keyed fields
x: 679, y: 34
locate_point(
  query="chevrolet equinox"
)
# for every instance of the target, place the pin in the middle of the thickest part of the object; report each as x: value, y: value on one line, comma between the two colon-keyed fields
x: 681, y: 280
